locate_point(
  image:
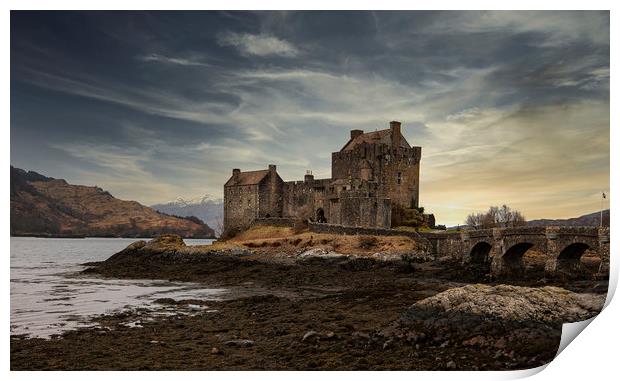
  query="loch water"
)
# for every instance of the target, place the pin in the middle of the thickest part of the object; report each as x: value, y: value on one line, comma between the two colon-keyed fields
x: 50, y: 294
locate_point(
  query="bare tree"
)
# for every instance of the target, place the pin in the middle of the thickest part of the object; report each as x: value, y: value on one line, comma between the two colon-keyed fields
x: 475, y: 220
x: 496, y: 216
x: 219, y: 225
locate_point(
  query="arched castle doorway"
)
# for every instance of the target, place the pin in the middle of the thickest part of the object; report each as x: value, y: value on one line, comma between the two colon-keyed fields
x: 320, y: 216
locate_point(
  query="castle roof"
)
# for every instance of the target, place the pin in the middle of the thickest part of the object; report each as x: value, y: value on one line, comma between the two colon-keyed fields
x: 375, y: 137
x: 247, y: 178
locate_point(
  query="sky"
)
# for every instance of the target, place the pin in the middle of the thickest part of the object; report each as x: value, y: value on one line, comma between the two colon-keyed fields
x: 508, y: 107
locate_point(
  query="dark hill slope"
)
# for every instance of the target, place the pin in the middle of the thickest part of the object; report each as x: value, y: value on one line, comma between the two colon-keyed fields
x: 44, y: 206
x: 592, y: 219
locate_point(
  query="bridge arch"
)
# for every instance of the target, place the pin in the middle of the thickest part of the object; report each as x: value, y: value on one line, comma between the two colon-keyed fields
x: 479, y: 258
x: 571, y: 261
x: 512, y: 260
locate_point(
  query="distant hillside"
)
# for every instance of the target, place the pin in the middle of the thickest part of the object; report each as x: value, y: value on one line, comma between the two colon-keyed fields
x: 44, y: 206
x: 209, y: 210
x: 592, y: 219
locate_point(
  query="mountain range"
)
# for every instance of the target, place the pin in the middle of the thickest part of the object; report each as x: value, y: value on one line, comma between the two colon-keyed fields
x: 45, y: 206
x: 209, y: 210
x: 592, y: 219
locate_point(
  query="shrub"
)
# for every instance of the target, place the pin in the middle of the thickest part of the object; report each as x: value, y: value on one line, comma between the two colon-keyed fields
x: 229, y: 233
x: 367, y: 241
x: 407, y: 216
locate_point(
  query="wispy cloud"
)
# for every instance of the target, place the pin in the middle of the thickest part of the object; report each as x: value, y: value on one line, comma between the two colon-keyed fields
x: 153, y: 57
x: 258, y: 44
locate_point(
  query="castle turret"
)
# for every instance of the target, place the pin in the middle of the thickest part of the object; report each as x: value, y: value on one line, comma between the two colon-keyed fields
x: 395, y: 132
x: 356, y: 133
x: 309, y: 177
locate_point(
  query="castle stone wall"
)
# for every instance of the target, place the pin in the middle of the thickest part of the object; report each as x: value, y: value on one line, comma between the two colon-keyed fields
x: 274, y: 221
x: 270, y: 195
x: 302, y: 199
x: 396, y: 170
x: 362, y: 211
x: 350, y: 230
x: 240, y: 206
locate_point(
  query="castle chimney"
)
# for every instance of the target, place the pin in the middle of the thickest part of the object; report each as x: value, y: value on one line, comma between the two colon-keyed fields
x: 272, y: 168
x: 356, y: 133
x: 395, y: 132
x: 236, y: 172
x: 308, y: 177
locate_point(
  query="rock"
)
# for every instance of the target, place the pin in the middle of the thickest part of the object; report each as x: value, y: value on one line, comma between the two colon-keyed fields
x: 165, y: 241
x: 387, y: 343
x: 320, y: 253
x: 494, y: 318
x: 386, y: 257
x: 330, y: 335
x: 239, y: 343
x: 514, y: 303
x: 451, y: 365
x: 165, y: 301
x: 413, y: 337
x: 475, y: 341
x: 361, y: 335
x: 309, y: 335
x: 216, y: 351
x: 136, y: 245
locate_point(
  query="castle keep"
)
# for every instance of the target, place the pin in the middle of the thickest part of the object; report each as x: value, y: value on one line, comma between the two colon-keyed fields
x: 371, y: 174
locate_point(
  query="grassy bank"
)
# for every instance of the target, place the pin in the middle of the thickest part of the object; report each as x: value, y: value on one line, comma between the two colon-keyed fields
x: 271, y: 239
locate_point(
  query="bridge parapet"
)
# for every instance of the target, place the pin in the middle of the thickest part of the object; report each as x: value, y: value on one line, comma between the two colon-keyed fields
x: 578, y: 230
x: 479, y: 233
x: 525, y: 230
x: 603, y: 250
x: 505, y: 247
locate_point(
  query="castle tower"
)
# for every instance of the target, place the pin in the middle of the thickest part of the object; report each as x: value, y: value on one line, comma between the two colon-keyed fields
x: 386, y: 154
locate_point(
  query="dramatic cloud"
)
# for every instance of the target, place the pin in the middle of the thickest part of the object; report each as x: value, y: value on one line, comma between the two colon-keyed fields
x: 509, y: 107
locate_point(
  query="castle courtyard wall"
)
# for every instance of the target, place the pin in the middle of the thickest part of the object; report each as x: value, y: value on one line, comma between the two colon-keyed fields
x: 302, y: 199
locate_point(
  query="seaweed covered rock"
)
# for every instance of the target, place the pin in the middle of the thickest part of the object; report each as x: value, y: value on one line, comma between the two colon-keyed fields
x: 166, y: 241
x: 514, y: 303
x: 506, y: 322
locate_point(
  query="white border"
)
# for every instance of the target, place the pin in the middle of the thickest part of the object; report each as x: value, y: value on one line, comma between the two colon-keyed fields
x: 593, y: 355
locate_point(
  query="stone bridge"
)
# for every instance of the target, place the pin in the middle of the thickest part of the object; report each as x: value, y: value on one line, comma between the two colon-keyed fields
x: 501, y: 250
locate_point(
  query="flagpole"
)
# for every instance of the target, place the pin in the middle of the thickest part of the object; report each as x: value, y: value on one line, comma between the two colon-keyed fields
x: 602, y: 198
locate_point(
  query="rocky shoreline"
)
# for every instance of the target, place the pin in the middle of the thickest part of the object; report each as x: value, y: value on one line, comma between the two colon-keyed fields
x: 318, y: 309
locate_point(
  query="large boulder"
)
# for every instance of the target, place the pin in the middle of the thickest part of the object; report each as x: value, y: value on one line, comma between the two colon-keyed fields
x: 519, y: 325
x: 504, y: 302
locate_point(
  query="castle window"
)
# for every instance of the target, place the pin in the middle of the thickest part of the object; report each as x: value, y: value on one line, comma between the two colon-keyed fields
x: 399, y: 177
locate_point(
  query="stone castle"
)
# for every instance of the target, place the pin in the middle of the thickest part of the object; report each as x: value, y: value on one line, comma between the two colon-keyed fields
x: 371, y: 174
